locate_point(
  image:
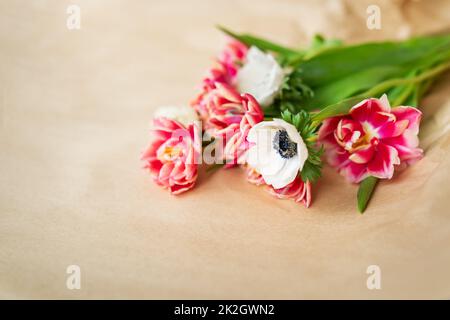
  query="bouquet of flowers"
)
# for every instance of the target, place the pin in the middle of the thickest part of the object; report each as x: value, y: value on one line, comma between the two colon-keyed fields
x: 278, y: 112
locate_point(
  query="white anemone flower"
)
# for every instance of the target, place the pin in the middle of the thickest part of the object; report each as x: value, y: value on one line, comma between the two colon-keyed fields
x: 278, y: 152
x: 261, y: 76
x: 183, y: 114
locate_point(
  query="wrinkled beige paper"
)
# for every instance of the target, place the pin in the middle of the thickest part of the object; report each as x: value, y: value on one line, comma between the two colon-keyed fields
x: 75, y: 111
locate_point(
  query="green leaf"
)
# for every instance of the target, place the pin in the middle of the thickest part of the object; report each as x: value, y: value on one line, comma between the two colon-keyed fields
x: 420, y: 91
x: 312, y: 168
x: 344, y: 106
x: 320, y: 45
x: 262, y: 44
x: 365, y: 191
x: 375, y: 61
x: 293, y: 92
x: 391, y: 83
x: 344, y: 61
x: 328, y: 72
x: 310, y: 172
x: 337, y: 109
x: 351, y: 85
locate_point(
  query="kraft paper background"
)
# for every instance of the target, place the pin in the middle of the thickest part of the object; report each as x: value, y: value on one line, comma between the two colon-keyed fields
x: 75, y: 113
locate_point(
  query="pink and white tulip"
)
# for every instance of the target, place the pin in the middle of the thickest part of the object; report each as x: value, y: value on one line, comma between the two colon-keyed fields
x: 224, y: 71
x: 237, y: 145
x: 372, y: 139
x: 231, y: 116
x: 253, y: 176
x: 297, y: 190
x: 183, y: 114
x: 224, y: 107
x: 173, y: 156
x: 232, y: 57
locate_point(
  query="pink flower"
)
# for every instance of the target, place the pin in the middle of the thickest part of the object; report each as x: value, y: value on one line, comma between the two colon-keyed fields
x: 215, y: 75
x: 224, y: 106
x: 232, y: 57
x: 173, y: 156
x: 297, y: 190
x: 237, y: 145
x: 253, y: 176
x: 224, y: 71
x: 231, y: 116
x: 372, y: 139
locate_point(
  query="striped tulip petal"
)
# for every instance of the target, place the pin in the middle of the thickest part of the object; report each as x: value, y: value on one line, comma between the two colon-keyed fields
x: 372, y: 140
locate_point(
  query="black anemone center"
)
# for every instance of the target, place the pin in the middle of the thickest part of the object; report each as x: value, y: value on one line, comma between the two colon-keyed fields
x: 285, y: 147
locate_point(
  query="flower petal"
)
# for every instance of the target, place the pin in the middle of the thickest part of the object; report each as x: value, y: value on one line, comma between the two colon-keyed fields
x: 177, y: 188
x: 328, y: 127
x: 294, y: 135
x: 261, y: 76
x: 285, y: 175
x: 411, y: 114
x: 364, y: 110
x: 382, y: 164
x: 297, y: 190
x: 354, y: 172
x: 392, y: 129
x: 406, y: 145
x: 263, y: 157
x: 363, y: 155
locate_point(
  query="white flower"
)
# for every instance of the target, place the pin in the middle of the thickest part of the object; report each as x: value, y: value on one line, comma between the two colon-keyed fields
x: 183, y: 114
x: 261, y: 76
x: 278, y: 152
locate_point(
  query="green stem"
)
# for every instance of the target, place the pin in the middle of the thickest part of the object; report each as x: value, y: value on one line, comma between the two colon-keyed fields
x: 423, y: 88
x: 382, y: 87
x: 342, y: 107
x: 295, y: 59
x: 404, y: 95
